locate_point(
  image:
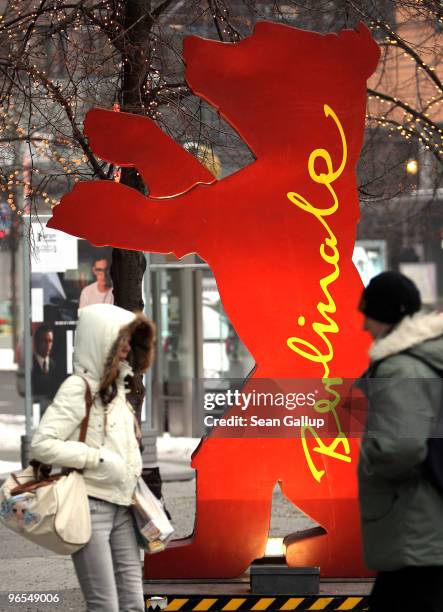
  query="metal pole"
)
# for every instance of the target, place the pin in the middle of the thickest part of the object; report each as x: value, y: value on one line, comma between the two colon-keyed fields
x: 27, y: 340
x: 149, y: 425
x: 149, y: 433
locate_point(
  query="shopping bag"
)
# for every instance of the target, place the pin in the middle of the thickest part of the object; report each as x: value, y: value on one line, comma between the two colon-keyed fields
x: 154, y: 527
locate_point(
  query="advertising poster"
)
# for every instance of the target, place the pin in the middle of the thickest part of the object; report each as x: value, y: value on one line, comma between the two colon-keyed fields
x: 369, y: 258
x: 424, y: 275
x: 66, y: 274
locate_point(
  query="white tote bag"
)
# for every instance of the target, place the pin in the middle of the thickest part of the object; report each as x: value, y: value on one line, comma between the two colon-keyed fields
x: 53, y: 513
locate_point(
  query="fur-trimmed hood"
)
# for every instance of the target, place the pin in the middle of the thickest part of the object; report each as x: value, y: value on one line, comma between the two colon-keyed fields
x: 99, y: 331
x: 421, y: 334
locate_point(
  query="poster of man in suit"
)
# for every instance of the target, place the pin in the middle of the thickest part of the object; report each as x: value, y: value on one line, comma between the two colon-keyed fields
x: 66, y: 274
x: 45, y: 377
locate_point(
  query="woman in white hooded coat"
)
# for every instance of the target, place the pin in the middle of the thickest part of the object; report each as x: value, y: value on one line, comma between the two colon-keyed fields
x: 111, y: 344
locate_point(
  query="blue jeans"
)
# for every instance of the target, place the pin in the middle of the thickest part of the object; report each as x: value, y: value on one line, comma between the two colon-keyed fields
x: 108, y: 568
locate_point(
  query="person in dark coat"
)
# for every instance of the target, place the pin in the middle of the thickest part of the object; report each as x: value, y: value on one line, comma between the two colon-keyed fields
x: 45, y: 379
x: 401, y: 506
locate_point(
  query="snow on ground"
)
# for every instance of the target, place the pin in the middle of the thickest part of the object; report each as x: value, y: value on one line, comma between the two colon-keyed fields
x: 12, y: 426
x: 8, y: 466
x: 174, y: 449
x: 7, y: 360
x: 169, y: 448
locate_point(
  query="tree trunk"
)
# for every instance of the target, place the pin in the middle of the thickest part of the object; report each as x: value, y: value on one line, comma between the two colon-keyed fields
x: 128, y: 267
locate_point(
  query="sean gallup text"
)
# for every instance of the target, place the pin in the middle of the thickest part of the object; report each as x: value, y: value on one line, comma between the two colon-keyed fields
x: 255, y: 421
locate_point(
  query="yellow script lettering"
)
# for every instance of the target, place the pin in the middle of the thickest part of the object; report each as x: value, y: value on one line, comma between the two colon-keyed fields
x: 302, y: 347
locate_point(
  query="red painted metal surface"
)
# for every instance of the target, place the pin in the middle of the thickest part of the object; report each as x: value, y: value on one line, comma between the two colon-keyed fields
x: 278, y: 236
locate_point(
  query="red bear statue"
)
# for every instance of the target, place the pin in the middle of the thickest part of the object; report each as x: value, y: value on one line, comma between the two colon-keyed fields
x: 284, y: 227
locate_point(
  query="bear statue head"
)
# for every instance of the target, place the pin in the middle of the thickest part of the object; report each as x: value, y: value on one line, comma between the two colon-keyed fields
x: 280, y: 76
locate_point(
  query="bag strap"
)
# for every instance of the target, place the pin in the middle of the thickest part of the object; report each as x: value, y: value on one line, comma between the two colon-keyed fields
x: 41, y: 470
x: 89, y: 400
x: 31, y: 487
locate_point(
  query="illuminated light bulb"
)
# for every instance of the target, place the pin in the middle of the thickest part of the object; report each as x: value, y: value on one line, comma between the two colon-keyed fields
x: 275, y: 547
x: 412, y: 166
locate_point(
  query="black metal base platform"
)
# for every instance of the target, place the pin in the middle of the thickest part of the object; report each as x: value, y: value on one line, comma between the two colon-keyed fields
x: 216, y: 595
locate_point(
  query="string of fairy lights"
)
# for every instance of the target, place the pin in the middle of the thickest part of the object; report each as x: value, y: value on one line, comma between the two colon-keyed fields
x: 43, y: 149
x: 413, y: 124
x: 410, y: 120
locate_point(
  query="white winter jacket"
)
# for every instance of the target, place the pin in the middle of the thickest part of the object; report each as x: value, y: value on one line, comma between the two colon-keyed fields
x: 110, y: 456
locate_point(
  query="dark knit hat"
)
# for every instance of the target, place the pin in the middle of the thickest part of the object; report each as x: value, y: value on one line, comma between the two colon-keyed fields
x: 389, y: 297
